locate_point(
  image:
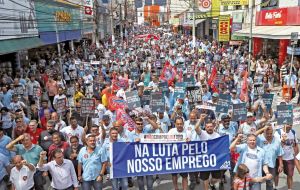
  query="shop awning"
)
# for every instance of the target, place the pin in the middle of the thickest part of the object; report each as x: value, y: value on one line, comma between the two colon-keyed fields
x: 190, y: 22
x: 14, y: 45
x: 269, y: 32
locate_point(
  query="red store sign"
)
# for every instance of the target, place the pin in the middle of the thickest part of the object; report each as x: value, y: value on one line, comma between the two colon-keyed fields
x: 272, y: 17
x: 279, y: 17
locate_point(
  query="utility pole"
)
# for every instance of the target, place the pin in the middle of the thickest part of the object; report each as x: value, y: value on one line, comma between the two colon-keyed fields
x: 294, y: 41
x: 121, y: 24
x: 251, y: 36
x: 112, y: 24
x: 194, y: 26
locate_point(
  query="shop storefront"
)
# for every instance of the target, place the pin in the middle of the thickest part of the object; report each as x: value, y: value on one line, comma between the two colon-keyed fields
x: 273, y: 28
x: 57, y: 21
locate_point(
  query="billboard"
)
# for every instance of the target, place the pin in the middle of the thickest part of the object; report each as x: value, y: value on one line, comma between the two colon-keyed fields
x: 224, y: 28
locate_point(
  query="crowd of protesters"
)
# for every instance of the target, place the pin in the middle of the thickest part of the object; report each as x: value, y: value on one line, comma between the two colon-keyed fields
x: 39, y: 140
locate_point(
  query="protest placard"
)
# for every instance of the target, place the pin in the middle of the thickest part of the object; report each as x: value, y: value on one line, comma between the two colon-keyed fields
x: 88, y: 106
x: 146, y: 98
x: 179, y: 91
x: 158, y: 64
x: 194, y: 95
x: 206, y: 107
x: 157, y: 102
x: 268, y: 100
x: 296, y: 117
x: 142, y: 159
x: 223, y: 103
x: 19, y: 90
x: 134, y: 74
x: 284, y: 114
x: 239, y: 112
x: 133, y: 100
x: 61, y: 105
x: 161, y: 138
x: 189, y: 81
x: 163, y: 86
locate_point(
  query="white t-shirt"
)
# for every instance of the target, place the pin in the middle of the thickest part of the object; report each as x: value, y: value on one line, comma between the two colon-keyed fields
x: 22, y: 179
x: 251, y: 161
x: 298, y: 156
x: 174, y: 131
x: 204, y: 136
x: 69, y: 132
x: 288, y: 145
x: 189, y: 128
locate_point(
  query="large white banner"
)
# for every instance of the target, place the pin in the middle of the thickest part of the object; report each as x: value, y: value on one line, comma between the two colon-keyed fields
x: 18, y: 19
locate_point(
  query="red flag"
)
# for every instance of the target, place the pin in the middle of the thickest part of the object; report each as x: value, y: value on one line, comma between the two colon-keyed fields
x: 212, y: 78
x: 126, y: 120
x: 168, y: 73
x: 115, y: 103
x: 244, y: 91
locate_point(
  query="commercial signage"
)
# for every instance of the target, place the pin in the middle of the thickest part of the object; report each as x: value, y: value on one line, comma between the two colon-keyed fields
x: 208, y: 8
x: 236, y: 27
x: 224, y: 28
x: 273, y: 17
x: 19, y: 22
x: 267, y: 4
x: 142, y: 159
x: 63, y: 16
x: 234, y: 2
x: 237, y: 17
x: 88, y: 7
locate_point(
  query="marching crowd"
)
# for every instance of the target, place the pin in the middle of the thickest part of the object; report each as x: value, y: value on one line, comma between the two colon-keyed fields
x: 41, y: 139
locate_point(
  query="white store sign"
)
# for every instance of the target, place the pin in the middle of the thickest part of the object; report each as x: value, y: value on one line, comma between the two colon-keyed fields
x: 18, y: 20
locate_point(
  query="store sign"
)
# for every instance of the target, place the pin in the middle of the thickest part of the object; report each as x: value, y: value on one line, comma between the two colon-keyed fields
x: 63, y: 16
x: 274, y: 17
x: 237, y: 17
x: 224, y: 28
x: 234, y: 2
x: 267, y: 4
x: 88, y: 7
x: 18, y: 22
x: 236, y: 27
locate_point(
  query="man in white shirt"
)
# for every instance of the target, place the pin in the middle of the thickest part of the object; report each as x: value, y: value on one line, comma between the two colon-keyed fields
x: 289, y: 142
x: 73, y: 130
x: 204, y: 135
x: 62, y: 171
x: 179, y: 130
x: 22, y: 174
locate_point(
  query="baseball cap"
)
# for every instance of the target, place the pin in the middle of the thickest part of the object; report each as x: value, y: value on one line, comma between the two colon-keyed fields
x: 215, y: 95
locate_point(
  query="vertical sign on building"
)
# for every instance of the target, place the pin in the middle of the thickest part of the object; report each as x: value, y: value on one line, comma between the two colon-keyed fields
x: 88, y: 7
x: 224, y: 28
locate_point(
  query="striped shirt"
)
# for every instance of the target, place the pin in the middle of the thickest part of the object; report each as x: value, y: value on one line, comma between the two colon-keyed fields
x: 241, y: 183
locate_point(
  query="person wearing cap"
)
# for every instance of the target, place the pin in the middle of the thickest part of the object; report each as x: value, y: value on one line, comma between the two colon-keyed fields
x: 288, y: 138
x: 226, y: 127
x: 234, y: 98
x: 250, y: 126
x: 214, y: 100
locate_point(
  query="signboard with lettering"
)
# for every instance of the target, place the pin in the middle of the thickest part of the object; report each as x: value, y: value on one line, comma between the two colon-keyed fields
x: 224, y: 28
x: 234, y: 2
x: 133, y: 100
x: 194, y: 95
x: 88, y: 106
x: 272, y: 17
x: 145, y: 100
x: 239, y: 112
x: 134, y: 74
x: 268, y: 100
x: 164, y: 87
x: 284, y: 114
x: 223, y: 103
x: 157, y: 102
x: 179, y: 92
